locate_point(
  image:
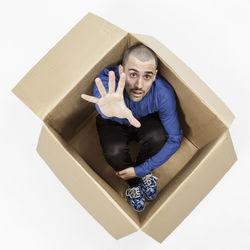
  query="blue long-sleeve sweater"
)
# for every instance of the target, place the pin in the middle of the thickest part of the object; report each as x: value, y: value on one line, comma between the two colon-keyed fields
x: 160, y: 98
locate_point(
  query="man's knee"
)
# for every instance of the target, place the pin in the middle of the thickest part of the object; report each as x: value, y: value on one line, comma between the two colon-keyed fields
x: 155, y: 138
x: 115, y: 152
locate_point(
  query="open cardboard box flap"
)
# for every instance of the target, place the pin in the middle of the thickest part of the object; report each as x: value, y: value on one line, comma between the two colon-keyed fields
x: 52, y: 89
x: 44, y: 86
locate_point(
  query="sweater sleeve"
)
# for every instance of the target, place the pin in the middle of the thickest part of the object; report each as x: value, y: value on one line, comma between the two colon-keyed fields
x: 169, y: 119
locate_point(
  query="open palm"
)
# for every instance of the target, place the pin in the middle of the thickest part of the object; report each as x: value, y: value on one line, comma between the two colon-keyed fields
x: 112, y: 103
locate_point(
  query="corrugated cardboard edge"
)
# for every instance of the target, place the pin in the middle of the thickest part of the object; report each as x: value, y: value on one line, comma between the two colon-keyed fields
x: 185, y: 74
x: 190, y: 192
x: 64, y: 65
x: 83, y: 186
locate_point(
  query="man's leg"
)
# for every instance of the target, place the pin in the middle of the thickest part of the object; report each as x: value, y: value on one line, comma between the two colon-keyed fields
x: 114, y: 138
x: 151, y: 137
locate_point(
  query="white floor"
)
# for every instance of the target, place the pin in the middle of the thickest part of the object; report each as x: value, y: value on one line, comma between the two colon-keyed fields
x: 211, y: 37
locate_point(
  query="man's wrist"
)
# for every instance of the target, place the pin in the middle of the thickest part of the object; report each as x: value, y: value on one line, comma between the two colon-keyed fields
x: 139, y: 171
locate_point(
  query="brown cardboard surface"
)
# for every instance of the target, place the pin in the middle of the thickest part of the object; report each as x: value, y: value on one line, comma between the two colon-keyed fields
x: 66, y: 63
x: 52, y: 89
x: 191, y: 185
x: 106, y: 206
x: 71, y: 112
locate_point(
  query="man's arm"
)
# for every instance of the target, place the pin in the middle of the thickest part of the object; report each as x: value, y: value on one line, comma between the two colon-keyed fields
x: 170, y: 121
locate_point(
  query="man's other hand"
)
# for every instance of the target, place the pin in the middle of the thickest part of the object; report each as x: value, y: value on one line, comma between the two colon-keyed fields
x: 127, y: 173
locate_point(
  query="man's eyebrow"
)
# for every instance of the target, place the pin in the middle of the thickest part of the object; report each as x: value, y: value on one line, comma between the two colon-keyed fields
x: 148, y: 72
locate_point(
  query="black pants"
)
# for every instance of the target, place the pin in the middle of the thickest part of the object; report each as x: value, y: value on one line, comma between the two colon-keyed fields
x: 114, y: 138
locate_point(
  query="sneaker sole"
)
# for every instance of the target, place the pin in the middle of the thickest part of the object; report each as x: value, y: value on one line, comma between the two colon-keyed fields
x: 150, y: 199
x: 134, y: 208
x: 137, y: 210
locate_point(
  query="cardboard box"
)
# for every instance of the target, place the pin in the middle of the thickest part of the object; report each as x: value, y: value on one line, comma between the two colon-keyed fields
x: 69, y: 143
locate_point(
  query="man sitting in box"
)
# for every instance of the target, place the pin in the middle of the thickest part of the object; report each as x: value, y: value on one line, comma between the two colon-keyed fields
x: 134, y: 103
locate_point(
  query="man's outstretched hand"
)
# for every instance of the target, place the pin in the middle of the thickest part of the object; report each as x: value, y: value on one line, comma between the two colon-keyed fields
x: 112, y: 103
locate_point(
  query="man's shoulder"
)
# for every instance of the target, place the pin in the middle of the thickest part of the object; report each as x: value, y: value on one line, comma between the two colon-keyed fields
x: 105, y: 71
x: 162, y: 86
x: 165, y: 94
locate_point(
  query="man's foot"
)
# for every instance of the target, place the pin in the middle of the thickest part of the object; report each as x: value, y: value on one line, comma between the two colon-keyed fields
x: 135, y: 197
x: 149, y: 186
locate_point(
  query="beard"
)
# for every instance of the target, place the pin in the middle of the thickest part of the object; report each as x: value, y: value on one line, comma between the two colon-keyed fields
x: 136, y: 96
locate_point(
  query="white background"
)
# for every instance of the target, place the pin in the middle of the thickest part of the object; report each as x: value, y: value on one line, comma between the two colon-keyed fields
x: 36, y: 210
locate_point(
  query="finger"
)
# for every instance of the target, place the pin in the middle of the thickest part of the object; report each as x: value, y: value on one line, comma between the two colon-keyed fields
x: 133, y: 121
x: 120, y: 174
x: 121, y: 84
x: 124, y: 171
x: 89, y: 98
x: 100, y: 87
x: 123, y: 175
x: 111, y: 82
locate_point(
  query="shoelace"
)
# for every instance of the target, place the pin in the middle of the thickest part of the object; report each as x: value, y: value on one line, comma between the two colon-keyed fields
x: 133, y: 192
x: 149, y: 179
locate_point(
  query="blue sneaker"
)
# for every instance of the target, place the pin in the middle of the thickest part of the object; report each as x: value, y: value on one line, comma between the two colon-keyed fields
x: 135, y: 197
x: 149, y: 186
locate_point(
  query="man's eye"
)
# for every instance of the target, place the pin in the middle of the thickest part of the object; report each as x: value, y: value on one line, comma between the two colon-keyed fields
x: 133, y: 74
x: 147, y: 77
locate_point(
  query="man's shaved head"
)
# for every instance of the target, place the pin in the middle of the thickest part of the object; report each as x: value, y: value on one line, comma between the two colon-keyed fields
x: 139, y: 64
x: 141, y: 52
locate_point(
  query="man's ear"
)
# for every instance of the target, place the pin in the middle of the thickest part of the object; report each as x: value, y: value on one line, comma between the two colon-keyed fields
x: 120, y: 69
x: 155, y: 74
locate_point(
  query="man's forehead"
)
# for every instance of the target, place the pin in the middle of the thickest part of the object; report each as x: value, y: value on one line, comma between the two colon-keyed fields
x: 136, y: 65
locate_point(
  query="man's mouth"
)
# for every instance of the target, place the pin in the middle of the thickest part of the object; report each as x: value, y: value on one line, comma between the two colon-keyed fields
x: 137, y: 93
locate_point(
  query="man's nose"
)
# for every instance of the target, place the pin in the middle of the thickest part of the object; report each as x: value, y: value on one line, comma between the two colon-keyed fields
x: 139, y: 83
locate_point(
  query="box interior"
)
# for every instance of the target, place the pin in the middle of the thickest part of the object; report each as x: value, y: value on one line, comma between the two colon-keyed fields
x: 73, y: 120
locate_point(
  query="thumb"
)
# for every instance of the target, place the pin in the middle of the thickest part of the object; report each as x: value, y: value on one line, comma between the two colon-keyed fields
x: 122, y: 171
x: 133, y: 121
